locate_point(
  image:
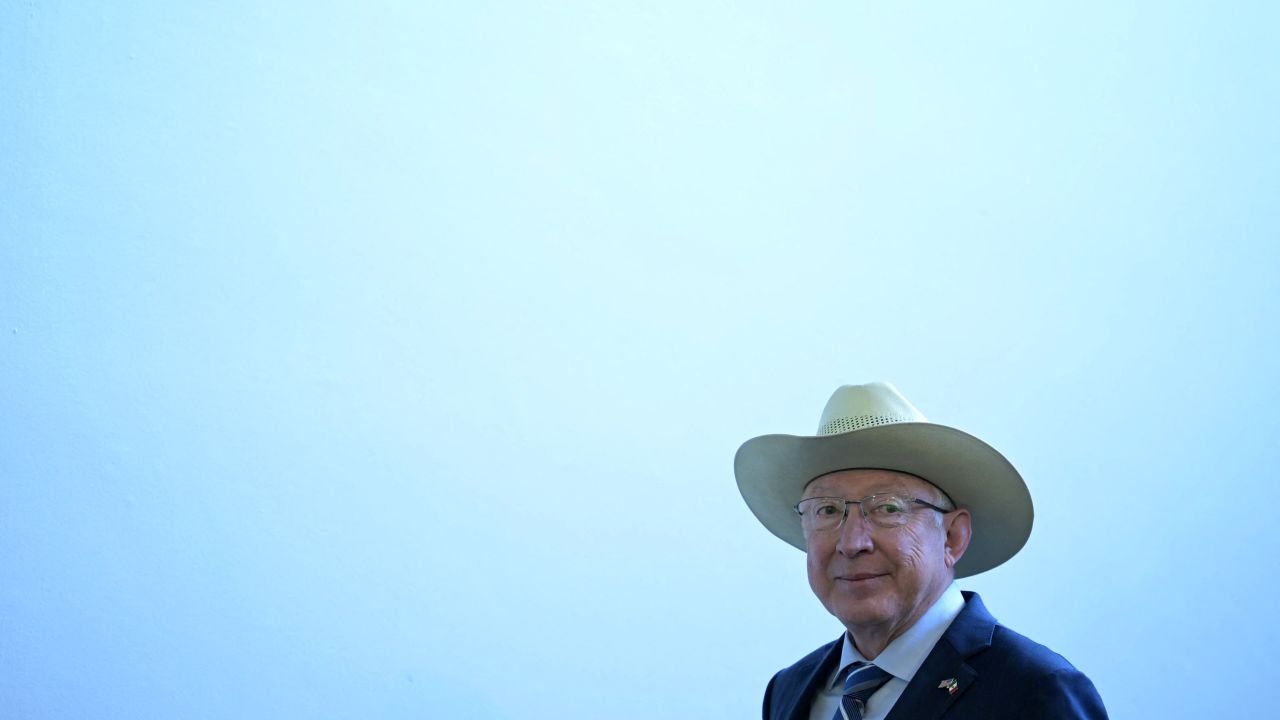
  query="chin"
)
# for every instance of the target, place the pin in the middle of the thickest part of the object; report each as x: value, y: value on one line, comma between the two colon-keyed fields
x: 862, y: 612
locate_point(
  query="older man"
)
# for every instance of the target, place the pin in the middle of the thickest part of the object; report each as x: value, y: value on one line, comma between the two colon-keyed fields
x: 890, y: 509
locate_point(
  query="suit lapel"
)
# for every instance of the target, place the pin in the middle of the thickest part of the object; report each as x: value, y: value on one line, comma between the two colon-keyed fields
x: 814, y: 682
x: 940, y: 681
x: 944, y: 676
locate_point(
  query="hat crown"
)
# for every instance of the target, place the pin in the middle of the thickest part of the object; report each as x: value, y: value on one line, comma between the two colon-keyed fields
x: 854, y: 407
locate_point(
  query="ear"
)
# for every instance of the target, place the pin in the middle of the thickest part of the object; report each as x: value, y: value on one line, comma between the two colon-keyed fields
x: 959, y: 528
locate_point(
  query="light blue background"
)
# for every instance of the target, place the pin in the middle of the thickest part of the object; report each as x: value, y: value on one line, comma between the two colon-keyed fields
x: 388, y: 360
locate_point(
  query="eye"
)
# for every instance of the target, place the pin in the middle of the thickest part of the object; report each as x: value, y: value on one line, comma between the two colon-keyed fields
x: 888, y: 506
x: 825, y: 508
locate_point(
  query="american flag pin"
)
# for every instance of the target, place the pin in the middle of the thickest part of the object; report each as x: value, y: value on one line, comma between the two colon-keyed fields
x: 949, y: 685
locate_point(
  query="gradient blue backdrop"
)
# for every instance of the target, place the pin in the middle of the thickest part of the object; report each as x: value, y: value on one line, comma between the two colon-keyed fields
x: 387, y: 360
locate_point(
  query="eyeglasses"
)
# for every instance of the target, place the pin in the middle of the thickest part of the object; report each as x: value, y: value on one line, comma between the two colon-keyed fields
x: 884, y: 510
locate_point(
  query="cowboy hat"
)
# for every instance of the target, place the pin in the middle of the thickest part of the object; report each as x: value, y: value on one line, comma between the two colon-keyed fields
x: 874, y: 426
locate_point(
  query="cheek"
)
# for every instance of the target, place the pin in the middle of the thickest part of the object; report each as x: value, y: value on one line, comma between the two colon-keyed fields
x: 816, y: 564
x: 912, y: 550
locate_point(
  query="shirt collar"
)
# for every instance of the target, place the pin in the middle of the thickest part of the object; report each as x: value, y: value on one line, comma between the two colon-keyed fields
x: 904, y: 656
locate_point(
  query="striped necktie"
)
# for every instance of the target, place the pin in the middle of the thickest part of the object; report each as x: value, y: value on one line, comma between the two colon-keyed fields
x: 863, y: 679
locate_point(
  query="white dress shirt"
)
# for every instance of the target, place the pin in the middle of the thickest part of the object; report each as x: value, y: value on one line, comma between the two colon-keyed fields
x: 901, y: 659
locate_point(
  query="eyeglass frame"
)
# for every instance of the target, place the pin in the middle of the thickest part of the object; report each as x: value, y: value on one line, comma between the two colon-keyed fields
x: 862, y: 509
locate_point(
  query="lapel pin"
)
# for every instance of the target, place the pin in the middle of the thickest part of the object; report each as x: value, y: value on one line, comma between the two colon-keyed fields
x: 949, y: 685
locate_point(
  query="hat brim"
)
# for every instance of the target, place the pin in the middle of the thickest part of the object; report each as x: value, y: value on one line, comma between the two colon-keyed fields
x: 773, y: 470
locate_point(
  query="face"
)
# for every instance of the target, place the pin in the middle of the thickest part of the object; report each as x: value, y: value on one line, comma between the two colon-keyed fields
x: 879, y: 581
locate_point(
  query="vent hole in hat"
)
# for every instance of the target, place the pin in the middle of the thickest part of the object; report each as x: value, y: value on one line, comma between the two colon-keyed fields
x: 847, y: 424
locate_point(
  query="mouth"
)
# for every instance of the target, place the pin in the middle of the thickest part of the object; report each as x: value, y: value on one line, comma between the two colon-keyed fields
x: 860, y: 577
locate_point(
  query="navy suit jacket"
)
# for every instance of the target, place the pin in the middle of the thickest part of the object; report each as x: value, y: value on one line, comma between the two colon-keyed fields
x: 998, y: 673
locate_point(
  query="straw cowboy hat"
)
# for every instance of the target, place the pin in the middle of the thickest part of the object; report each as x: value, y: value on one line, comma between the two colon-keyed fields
x: 874, y: 426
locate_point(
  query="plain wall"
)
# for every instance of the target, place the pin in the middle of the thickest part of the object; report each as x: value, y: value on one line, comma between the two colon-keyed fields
x: 389, y: 359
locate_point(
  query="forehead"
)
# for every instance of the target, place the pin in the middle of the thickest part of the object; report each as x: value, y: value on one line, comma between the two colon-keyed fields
x: 863, y: 482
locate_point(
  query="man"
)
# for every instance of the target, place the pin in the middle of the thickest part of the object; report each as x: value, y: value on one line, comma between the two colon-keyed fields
x: 890, y: 509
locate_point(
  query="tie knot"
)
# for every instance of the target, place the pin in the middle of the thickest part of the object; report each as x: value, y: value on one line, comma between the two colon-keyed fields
x: 861, y: 682
x: 863, y: 676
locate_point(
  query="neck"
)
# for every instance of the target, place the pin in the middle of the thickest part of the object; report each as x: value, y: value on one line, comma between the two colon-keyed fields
x: 870, y: 645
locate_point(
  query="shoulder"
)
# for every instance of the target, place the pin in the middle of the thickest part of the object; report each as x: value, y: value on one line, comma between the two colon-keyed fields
x: 805, y: 666
x: 1018, y: 654
x: 1043, y: 683
x: 977, y: 636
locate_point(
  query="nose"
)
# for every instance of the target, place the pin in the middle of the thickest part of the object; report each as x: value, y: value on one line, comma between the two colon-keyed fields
x: 855, y: 534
